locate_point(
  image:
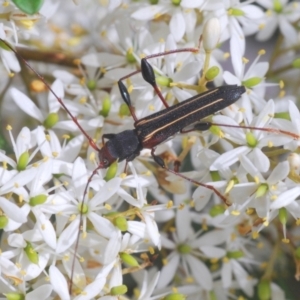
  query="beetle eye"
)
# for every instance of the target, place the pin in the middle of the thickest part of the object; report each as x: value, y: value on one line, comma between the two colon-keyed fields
x: 105, y: 162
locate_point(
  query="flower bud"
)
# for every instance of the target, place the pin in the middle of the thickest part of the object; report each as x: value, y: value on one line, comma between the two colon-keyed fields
x: 283, y: 115
x: 235, y: 254
x: 212, y: 73
x: 211, y: 34
x: 32, y: 255
x: 39, y: 199
x: 111, y: 171
x: 51, y: 120
x: 175, y: 296
x: 124, y: 110
x: 296, y: 63
x: 277, y: 6
x: 216, y: 210
x: 294, y: 162
x: 91, y: 84
x: 262, y: 190
x: 215, y: 176
x: 3, y: 221
x: 264, y: 290
x: 130, y: 57
x: 14, y: 296
x: 283, y: 215
x: 129, y: 259
x: 121, y: 223
x: 119, y: 290
x: 163, y: 81
x: 184, y: 249
x: 236, y: 12
x: 297, y: 253
x: 83, y: 208
x: 23, y: 161
x: 251, y: 139
x: 106, y: 105
x: 251, y: 82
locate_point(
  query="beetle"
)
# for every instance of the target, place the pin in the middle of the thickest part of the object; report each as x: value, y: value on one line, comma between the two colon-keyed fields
x: 154, y: 129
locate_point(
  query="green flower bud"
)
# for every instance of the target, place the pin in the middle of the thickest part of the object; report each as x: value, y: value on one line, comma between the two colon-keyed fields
x: 121, y: 223
x: 119, y: 290
x: 106, y: 105
x: 235, y: 254
x: 283, y: 215
x: 111, y: 171
x: 212, y: 295
x: 262, y: 190
x: 3, y: 221
x: 163, y: 81
x: 216, y: 210
x: 212, y: 73
x: 251, y: 82
x: 37, y: 200
x: 23, y: 161
x: 111, y: 213
x: 283, y: 115
x: 51, y: 120
x: 216, y: 130
x: 297, y: 253
x: 124, y: 110
x: 32, y: 255
x: 176, y: 2
x: 184, y: 249
x: 130, y: 57
x: 83, y: 208
x: 215, y: 176
x: 296, y: 63
x: 264, y: 290
x: 91, y: 84
x: 14, y: 296
x: 153, y: 2
x: 129, y: 259
x: 251, y: 139
x: 236, y: 12
x: 175, y: 296
x: 277, y: 5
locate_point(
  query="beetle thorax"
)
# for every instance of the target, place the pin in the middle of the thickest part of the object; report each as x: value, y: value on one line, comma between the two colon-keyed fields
x: 124, y: 145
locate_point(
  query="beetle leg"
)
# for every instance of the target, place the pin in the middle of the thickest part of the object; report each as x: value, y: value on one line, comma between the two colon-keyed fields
x: 161, y: 163
x: 202, y: 126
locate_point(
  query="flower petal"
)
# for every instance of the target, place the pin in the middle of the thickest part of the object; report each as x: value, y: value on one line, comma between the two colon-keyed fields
x: 177, y: 25
x: 26, y: 105
x: 286, y: 198
x: 59, y: 283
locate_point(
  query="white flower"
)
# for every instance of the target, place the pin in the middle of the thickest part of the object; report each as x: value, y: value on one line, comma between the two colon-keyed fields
x: 181, y: 22
x: 29, y: 267
x: 280, y: 14
x: 254, y: 81
x: 184, y: 252
x: 261, y: 193
x: 237, y: 19
x: 292, y: 126
x: 251, y: 142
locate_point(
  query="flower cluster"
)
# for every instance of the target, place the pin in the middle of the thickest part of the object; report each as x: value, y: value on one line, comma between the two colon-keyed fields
x: 214, y: 225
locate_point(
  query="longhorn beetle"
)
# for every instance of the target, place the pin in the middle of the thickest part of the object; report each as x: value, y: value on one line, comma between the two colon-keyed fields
x: 156, y: 128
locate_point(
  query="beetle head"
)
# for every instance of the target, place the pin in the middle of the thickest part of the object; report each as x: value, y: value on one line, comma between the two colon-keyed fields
x: 105, y: 157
